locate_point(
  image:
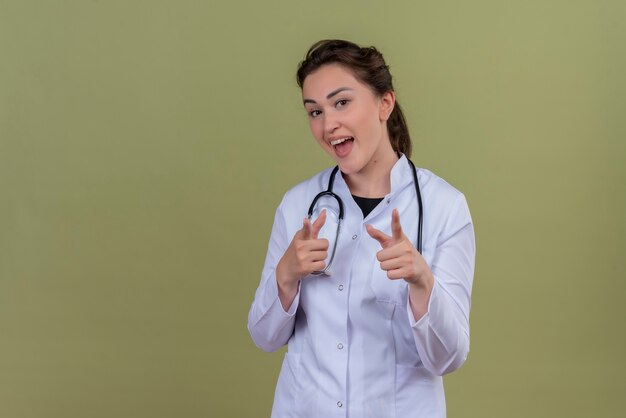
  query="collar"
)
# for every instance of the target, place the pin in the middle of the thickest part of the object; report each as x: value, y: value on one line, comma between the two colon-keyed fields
x: 400, y: 177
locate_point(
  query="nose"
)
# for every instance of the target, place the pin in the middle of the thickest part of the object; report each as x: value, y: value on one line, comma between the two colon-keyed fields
x: 331, y: 123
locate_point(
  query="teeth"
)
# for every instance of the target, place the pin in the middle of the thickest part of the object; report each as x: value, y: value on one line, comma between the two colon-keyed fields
x: 339, y: 141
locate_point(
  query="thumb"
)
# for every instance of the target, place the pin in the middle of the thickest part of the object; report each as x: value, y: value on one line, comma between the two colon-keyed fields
x: 382, y: 238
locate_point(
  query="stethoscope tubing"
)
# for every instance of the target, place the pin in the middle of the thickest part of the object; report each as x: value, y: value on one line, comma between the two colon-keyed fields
x: 420, y: 208
x: 329, y: 192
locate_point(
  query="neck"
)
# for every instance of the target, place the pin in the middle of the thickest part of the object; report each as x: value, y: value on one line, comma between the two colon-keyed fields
x: 374, y: 180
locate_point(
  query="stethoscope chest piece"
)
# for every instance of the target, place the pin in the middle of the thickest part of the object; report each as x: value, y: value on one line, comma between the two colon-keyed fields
x: 332, y: 203
x: 334, y: 214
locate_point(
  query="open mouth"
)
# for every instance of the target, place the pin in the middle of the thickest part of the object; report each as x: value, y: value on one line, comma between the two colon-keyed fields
x: 342, y: 146
x: 341, y: 141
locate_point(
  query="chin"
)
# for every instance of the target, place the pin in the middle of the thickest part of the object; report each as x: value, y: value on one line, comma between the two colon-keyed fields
x: 349, y: 167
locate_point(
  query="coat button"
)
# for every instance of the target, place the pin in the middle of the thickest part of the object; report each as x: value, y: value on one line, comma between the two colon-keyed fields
x: 339, y: 404
x: 340, y: 287
x: 354, y: 237
x: 340, y: 346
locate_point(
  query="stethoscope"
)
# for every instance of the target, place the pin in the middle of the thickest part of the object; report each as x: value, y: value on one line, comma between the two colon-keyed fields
x: 329, y: 192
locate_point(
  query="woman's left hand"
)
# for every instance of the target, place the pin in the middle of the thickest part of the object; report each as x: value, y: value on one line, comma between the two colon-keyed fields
x: 401, y: 260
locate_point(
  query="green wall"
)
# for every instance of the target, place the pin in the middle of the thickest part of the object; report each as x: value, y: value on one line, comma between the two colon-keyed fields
x: 144, y: 146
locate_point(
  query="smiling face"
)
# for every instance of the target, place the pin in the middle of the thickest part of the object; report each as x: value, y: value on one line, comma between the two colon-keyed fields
x: 347, y: 119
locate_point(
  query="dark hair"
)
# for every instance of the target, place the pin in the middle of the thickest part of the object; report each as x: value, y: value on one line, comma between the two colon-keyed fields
x: 368, y: 66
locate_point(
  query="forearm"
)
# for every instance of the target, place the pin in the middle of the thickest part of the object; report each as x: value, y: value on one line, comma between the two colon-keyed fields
x: 270, y: 324
x: 287, y: 288
x: 441, y: 334
x: 440, y: 322
x: 419, y: 296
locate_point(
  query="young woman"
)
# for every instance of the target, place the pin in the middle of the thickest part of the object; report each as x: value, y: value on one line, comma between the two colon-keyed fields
x: 371, y: 323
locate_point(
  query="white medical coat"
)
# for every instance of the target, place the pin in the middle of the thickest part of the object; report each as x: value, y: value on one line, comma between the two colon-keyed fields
x: 354, y: 347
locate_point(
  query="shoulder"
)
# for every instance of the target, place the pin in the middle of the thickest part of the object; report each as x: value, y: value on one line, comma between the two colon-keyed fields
x: 436, y: 187
x: 445, y: 207
x: 442, y: 200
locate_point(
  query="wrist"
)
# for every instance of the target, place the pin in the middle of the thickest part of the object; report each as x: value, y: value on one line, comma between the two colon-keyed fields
x: 285, y: 282
x: 419, y: 296
x: 424, y: 282
x: 287, y: 289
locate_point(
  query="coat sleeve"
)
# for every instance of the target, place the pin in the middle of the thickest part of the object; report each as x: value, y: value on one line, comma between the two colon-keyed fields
x: 442, y: 334
x: 268, y: 323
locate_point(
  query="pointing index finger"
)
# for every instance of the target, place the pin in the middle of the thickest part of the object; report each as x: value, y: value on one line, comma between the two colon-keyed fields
x: 306, y: 228
x: 318, y: 224
x: 396, y: 228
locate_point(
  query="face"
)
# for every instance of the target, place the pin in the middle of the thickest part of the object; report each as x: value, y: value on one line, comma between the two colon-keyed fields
x: 346, y: 118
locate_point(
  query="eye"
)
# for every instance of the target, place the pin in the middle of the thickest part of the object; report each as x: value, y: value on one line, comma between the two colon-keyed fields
x: 315, y: 113
x: 342, y: 102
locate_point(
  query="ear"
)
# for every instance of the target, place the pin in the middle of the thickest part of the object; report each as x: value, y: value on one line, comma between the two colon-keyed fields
x: 386, y: 104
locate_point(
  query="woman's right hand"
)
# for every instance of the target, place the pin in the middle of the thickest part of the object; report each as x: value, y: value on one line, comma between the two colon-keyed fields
x: 306, y: 253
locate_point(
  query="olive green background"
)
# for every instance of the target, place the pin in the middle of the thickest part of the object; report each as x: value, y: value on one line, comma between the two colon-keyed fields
x: 144, y: 146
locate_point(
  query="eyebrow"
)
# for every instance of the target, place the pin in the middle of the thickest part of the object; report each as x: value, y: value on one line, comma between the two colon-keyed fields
x: 329, y: 95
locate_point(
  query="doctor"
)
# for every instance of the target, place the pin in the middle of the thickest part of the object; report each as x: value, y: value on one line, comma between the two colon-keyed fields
x: 372, y: 336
